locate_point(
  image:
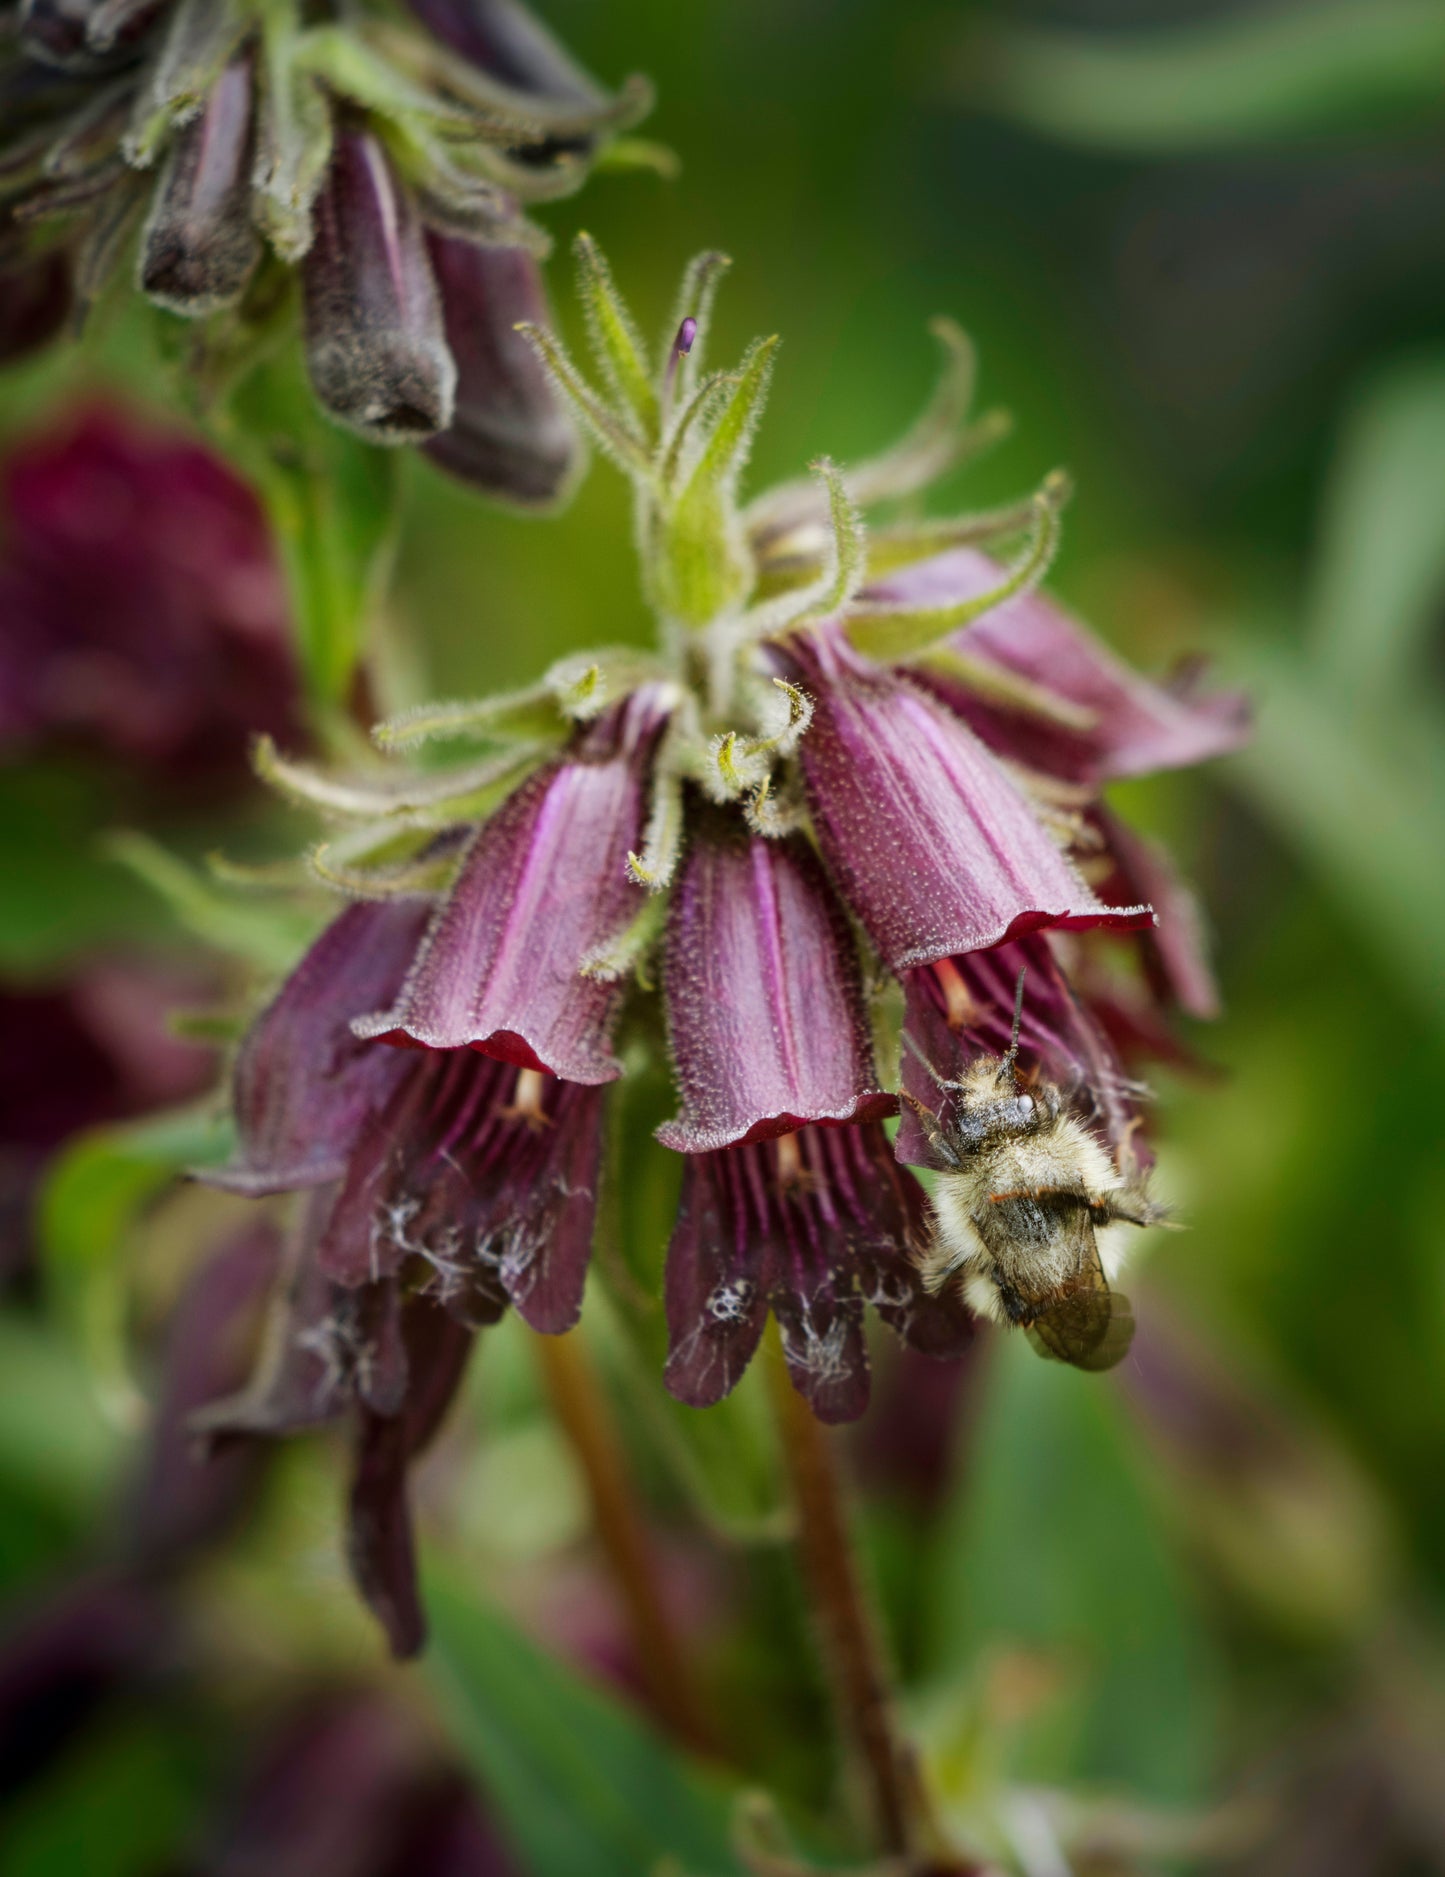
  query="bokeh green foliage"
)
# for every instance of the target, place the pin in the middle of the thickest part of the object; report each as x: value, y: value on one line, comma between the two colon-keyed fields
x: 865, y: 178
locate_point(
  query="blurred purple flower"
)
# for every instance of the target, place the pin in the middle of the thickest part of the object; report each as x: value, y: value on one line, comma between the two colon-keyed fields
x: 141, y: 607
x: 349, y: 1784
x: 90, y: 1050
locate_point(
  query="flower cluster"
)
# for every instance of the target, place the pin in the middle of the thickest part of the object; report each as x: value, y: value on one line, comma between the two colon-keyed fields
x: 857, y: 759
x: 386, y: 161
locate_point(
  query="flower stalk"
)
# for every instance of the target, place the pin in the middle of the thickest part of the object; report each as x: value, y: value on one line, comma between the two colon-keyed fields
x: 849, y: 1638
x: 586, y: 1419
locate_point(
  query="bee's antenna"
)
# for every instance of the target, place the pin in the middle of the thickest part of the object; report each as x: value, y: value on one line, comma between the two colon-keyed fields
x: 910, y: 1043
x: 1013, y: 1041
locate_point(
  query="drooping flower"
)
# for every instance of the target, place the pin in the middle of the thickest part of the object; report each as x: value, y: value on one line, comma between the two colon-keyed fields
x: 386, y: 161
x: 443, y: 1185
x: 806, y: 794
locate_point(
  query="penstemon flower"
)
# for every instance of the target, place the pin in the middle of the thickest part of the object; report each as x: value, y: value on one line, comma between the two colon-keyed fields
x: 388, y: 162
x: 856, y: 757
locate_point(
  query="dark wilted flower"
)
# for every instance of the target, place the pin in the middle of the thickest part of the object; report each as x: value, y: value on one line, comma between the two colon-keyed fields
x: 388, y: 161
x: 141, y: 606
x: 349, y: 1784
x: 90, y: 1049
x: 636, y: 804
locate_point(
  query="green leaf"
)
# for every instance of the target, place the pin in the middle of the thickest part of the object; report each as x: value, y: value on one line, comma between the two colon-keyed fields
x: 1052, y: 1549
x: 616, y: 344
x: 580, y: 1784
x: 1380, y: 573
x: 124, y: 1803
x: 891, y: 633
x: 54, y: 1439
x: 294, y: 136
x: 94, y: 1194
x: 1293, y: 71
x: 200, y: 38
x: 1366, y: 809
x: 332, y: 500
x: 611, y: 432
x: 50, y: 913
x: 269, y: 933
x: 701, y: 565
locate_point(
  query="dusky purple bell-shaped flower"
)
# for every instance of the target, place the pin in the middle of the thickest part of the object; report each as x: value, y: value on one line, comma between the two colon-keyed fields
x: 390, y: 1363
x: 200, y: 247
x: 541, y: 892
x: 807, y: 790
x: 935, y: 847
x: 485, y: 1177
x: 811, y: 1226
x: 508, y: 436
x: 142, y: 606
x: 765, y: 1011
x: 304, y: 1086
x: 375, y: 344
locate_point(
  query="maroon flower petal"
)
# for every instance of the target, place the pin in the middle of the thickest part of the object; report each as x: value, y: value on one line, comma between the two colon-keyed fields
x: 508, y: 435
x: 542, y: 888
x: 1137, y: 726
x: 509, y: 43
x: 811, y: 1226
x: 379, y: 1543
x: 1176, y: 950
x: 182, y: 1498
x: 304, y: 1084
x: 963, y: 1007
x: 932, y: 844
x: 764, y: 998
x: 486, y: 1173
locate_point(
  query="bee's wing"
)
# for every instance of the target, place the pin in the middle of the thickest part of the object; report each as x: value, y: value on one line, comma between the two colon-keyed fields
x: 1084, y: 1323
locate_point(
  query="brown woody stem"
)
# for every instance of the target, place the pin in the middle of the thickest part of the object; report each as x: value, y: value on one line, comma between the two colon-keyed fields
x: 852, y: 1648
x: 586, y: 1418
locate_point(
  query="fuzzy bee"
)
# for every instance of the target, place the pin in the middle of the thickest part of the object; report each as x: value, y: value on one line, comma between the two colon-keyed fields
x: 1023, y: 1187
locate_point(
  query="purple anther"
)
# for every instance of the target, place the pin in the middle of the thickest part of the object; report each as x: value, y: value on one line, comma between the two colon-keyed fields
x: 681, y: 346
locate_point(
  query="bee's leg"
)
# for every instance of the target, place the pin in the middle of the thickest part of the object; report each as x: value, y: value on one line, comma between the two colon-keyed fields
x: 1128, y: 1205
x: 937, y: 1138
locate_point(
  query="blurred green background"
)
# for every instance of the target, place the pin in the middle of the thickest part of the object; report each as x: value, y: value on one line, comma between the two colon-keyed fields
x: 1199, y: 247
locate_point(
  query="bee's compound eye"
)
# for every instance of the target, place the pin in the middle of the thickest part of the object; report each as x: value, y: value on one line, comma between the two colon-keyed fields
x: 1026, y: 1107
